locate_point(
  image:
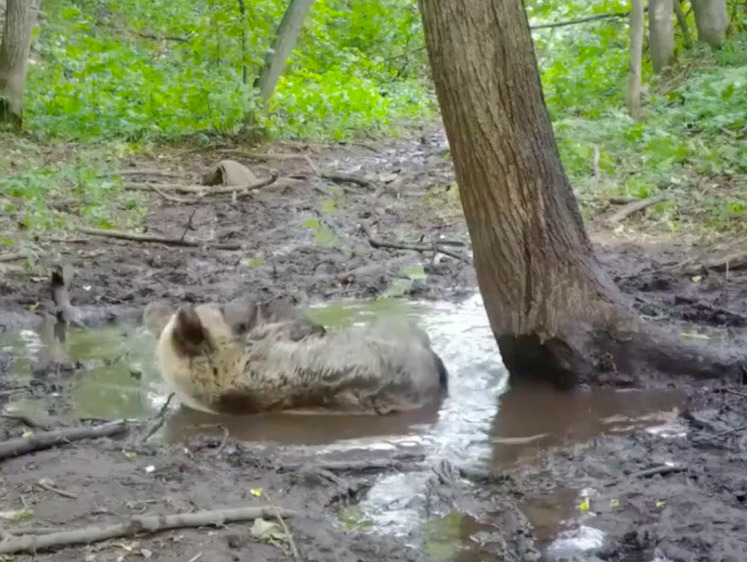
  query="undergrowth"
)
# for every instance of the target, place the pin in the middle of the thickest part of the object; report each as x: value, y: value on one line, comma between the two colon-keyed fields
x: 112, y: 78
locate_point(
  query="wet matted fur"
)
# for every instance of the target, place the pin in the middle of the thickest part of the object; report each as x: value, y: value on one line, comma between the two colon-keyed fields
x: 383, y: 368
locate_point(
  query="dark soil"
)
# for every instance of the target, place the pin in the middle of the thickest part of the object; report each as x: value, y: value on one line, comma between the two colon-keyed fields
x: 695, y: 511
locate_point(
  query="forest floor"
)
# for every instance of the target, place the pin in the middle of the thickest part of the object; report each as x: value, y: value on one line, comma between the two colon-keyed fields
x: 328, y: 229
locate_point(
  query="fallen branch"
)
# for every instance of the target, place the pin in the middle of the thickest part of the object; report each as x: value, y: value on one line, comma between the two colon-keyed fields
x: 347, y: 178
x: 142, y: 172
x: 636, y: 206
x: 203, y: 190
x: 649, y: 472
x: 730, y: 262
x: 48, y: 439
x: 15, y: 256
x: 136, y: 524
x: 137, y: 237
x: 417, y: 248
x: 50, y: 488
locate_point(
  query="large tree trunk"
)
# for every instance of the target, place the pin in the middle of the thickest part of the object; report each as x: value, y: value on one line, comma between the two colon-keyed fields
x: 20, y: 17
x: 636, y: 56
x: 712, y: 21
x: 285, y: 39
x: 661, y: 33
x: 554, y: 311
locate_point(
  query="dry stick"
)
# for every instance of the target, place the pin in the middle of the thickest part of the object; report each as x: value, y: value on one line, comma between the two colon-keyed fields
x: 288, y: 534
x: 631, y: 208
x: 580, y: 20
x: 203, y: 190
x: 55, y: 490
x: 24, y: 445
x: 347, y: 178
x: 160, y: 418
x: 137, y: 237
x: 137, y: 523
x: 417, y: 248
x: 176, y: 198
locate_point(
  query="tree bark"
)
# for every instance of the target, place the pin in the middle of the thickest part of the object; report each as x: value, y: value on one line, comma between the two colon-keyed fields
x: 20, y: 17
x: 554, y: 311
x: 636, y: 55
x: 285, y: 39
x: 661, y: 33
x: 711, y: 20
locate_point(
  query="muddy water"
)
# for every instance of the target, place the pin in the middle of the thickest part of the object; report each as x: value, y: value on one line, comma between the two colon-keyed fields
x: 483, y: 422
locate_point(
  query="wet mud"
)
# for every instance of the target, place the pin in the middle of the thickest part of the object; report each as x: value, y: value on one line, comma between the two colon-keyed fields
x: 499, y: 472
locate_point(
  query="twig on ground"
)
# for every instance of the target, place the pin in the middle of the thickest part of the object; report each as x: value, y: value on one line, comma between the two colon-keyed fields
x: 653, y: 471
x: 136, y: 524
x: 204, y: 190
x: 15, y: 256
x: 648, y: 472
x: 288, y: 534
x: 196, y: 557
x: 348, y: 178
x: 160, y: 419
x: 24, y: 445
x: 417, y: 248
x: 636, y: 206
x: 55, y: 490
x: 137, y: 237
x: 735, y: 392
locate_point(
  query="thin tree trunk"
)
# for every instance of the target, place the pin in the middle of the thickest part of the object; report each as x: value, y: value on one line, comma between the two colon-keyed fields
x: 636, y: 55
x: 712, y: 21
x: 20, y: 17
x: 244, y: 68
x: 682, y: 21
x: 661, y: 33
x: 285, y: 39
x: 554, y: 311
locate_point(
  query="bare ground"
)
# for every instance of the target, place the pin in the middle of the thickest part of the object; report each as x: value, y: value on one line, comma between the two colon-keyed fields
x: 315, y: 239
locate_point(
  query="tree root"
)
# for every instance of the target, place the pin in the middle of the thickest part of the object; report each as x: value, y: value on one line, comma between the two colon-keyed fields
x: 347, y: 178
x: 151, y: 524
x: 594, y: 355
x: 48, y: 439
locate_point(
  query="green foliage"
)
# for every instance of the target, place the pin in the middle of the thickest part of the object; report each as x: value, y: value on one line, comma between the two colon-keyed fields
x: 168, y: 68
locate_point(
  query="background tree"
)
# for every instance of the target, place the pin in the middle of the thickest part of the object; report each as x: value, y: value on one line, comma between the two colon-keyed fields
x: 711, y: 20
x: 285, y: 39
x: 20, y: 17
x: 661, y: 33
x: 553, y: 309
x: 636, y: 56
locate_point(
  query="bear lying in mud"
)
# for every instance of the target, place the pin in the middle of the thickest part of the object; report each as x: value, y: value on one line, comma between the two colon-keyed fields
x: 245, y: 358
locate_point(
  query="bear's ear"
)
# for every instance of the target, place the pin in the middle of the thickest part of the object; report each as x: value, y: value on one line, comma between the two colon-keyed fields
x: 189, y: 335
x: 155, y: 317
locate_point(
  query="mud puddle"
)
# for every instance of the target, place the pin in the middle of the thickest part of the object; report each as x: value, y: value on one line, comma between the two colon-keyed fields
x: 483, y: 423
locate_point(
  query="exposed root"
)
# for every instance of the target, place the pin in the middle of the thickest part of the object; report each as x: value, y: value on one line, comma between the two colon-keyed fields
x: 204, y: 190
x: 347, y: 178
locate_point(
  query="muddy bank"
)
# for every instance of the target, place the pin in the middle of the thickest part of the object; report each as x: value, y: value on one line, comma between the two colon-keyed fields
x: 676, y: 495
x: 311, y: 238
